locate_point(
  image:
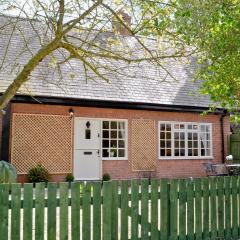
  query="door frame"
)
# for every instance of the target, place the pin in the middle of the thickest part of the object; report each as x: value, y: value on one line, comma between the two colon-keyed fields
x: 73, y: 149
x: 100, y: 139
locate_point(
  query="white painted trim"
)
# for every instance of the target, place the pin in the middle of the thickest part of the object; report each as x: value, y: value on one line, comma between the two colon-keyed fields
x: 126, y: 131
x: 172, y: 142
x: 126, y: 141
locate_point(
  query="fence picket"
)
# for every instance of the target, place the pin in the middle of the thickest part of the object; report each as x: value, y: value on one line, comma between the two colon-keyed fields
x: 27, y: 211
x: 124, y: 210
x: 198, y: 208
x: 15, y: 213
x: 52, y: 204
x: 173, y: 209
x: 235, y: 209
x: 144, y: 209
x: 75, y: 210
x: 4, y: 191
x: 190, y: 209
x: 154, y: 209
x: 227, y: 215
x: 107, y: 200
x: 205, y: 187
x: 86, y: 219
x: 164, y: 209
x: 63, y: 190
x: 182, y: 209
x: 39, y: 211
x: 134, y: 209
x: 97, y: 211
x: 114, y: 217
x: 213, y: 207
x: 220, y: 190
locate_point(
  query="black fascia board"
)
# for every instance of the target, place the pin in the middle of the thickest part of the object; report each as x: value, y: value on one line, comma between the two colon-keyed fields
x: 111, y: 104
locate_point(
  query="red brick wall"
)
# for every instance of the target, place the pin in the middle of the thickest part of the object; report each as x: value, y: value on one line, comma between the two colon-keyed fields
x: 123, y: 169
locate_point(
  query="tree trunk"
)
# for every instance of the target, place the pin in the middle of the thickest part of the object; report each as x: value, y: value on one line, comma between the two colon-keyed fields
x: 23, y: 76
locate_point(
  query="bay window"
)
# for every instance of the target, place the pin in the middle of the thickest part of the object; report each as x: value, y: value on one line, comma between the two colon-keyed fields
x: 185, y: 140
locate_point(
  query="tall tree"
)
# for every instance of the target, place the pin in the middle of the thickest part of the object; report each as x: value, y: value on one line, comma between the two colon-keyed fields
x: 69, y: 29
x: 213, y: 27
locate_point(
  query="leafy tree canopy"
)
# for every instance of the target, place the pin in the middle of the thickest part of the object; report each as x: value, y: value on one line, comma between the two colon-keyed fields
x: 213, y: 27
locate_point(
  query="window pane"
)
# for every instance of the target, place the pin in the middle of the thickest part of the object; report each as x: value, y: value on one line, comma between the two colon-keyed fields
x: 168, y: 152
x: 113, y: 134
x: 162, y: 135
x: 182, y: 126
x: 195, y: 136
x: 168, y: 127
x: 105, y: 125
x: 121, y: 144
x: 105, y: 134
x: 162, y: 144
x: 190, y: 144
x: 176, y: 152
x: 176, y: 126
x: 176, y: 144
x: 113, y: 125
x: 121, y: 153
x: 190, y: 126
x: 162, y: 152
x: 195, y: 144
x: 168, y: 144
x: 113, y: 143
x: 105, y: 144
x: 162, y: 127
x: 121, y: 125
x: 182, y: 144
x: 190, y: 153
x: 208, y: 152
x: 182, y: 152
x: 176, y: 135
x: 190, y: 136
x: 182, y: 135
x: 168, y: 135
x: 105, y: 153
x: 121, y: 134
x: 195, y: 152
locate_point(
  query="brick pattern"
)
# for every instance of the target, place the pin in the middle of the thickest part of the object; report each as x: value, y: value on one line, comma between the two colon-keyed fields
x: 44, y: 139
x: 122, y: 169
x: 143, y: 145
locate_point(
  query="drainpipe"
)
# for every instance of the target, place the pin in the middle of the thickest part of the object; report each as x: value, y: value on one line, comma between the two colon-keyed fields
x: 224, y: 113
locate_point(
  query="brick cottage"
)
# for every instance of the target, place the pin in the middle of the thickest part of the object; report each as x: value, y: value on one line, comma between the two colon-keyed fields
x: 136, y: 126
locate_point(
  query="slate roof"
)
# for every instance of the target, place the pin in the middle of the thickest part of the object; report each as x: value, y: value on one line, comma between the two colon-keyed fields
x: 141, y: 82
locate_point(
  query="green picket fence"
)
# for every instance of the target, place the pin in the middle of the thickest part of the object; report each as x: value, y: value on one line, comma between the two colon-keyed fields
x: 183, y: 209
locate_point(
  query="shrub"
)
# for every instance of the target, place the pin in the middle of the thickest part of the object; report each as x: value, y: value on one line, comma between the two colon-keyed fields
x: 8, y: 173
x: 69, y: 177
x: 38, y: 174
x: 106, y: 177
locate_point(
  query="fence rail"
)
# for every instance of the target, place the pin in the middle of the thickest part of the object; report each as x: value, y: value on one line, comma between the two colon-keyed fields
x: 183, y: 209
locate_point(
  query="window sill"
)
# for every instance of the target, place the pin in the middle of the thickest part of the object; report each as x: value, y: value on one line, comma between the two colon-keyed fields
x: 186, y: 158
x: 114, y: 159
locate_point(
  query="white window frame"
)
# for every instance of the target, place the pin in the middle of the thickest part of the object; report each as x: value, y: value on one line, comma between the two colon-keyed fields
x: 186, y: 148
x: 126, y: 139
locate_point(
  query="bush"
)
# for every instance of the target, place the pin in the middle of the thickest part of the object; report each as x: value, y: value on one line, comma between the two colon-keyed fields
x: 69, y: 177
x: 106, y: 177
x: 38, y: 174
x: 8, y: 173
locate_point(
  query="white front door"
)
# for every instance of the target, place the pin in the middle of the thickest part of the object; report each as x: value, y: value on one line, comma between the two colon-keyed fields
x: 87, y: 164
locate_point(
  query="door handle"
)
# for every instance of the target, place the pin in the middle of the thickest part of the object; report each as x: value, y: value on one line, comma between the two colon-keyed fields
x: 98, y: 152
